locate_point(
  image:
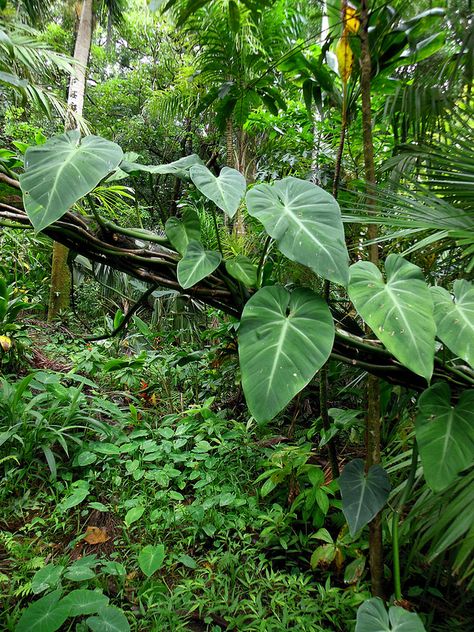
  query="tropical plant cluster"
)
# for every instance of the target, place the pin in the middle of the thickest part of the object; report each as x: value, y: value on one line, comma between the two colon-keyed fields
x: 236, y: 316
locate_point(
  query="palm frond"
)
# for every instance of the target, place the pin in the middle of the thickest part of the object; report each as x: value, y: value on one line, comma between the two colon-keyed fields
x: 29, y: 67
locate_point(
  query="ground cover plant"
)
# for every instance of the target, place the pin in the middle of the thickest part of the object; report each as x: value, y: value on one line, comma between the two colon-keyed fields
x: 236, y: 316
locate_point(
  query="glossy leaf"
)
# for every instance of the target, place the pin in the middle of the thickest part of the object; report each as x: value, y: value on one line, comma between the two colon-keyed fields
x: 306, y: 223
x: 151, y: 559
x: 363, y: 495
x: 283, y: 340
x: 181, y: 231
x: 196, y: 264
x: 46, y: 577
x: 445, y: 434
x: 81, y: 601
x: 455, y: 319
x: 242, y: 269
x: 226, y: 191
x: 62, y: 171
x: 373, y: 617
x: 109, y: 619
x: 133, y: 514
x: 179, y: 168
x: 45, y: 615
x: 76, y: 498
x: 399, y: 311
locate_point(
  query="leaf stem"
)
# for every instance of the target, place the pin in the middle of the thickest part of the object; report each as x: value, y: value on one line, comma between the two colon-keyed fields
x: 395, y: 523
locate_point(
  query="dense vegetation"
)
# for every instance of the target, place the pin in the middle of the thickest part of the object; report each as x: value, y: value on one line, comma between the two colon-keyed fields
x: 236, y: 316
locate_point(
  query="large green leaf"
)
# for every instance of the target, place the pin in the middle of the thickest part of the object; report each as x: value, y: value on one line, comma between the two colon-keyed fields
x: 226, y: 191
x: 181, y: 231
x: 196, y: 264
x: 400, y: 311
x: 455, y: 319
x: 109, y: 619
x: 363, y: 495
x: 242, y: 269
x: 62, y: 171
x: 306, y: 223
x: 283, y: 340
x: 445, y: 434
x: 373, y: 617
x: 82, y: 601
x: 179, y: 168
x: 45, y: 615
x: 46, y: 577
x: 151, y: 559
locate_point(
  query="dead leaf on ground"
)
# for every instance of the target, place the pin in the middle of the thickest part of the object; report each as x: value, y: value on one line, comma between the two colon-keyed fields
x: 96, y: 535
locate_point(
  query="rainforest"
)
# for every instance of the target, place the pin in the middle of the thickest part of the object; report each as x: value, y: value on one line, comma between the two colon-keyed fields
x: 236, y: 316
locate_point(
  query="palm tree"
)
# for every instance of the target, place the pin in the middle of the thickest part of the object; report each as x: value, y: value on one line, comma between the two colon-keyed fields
x: 28, y: 67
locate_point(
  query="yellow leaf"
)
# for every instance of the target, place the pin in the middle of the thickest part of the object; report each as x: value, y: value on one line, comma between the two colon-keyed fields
x: 345, y: 58
x: 5, y: 343
x: 96, y: 535
x: 351, y: 21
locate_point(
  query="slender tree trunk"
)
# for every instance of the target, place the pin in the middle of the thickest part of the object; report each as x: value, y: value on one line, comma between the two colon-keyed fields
x: 77, y: 86
x: 229, y: 142
x: 108, y: 42
x: 373, y: 387
x: 59, y: 298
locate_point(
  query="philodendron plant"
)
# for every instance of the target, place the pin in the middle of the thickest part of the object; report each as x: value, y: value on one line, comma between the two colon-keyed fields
x: 287, y: 335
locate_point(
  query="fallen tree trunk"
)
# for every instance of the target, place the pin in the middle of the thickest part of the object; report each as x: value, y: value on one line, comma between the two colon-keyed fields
x: 135, y: 254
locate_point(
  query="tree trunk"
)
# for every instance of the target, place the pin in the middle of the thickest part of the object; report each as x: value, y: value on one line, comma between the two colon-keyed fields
x: 59, y: 297
x: 373, y: 387
x: 77, y: 86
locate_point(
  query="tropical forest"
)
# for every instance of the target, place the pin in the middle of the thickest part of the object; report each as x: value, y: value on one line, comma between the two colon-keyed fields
x: 236, y: 315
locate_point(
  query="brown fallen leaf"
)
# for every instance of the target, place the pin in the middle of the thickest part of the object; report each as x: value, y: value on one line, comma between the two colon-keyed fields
x: 96, y: 535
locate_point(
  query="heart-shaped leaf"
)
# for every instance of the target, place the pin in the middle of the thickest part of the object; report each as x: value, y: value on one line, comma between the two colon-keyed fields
x: 306, y: 223
x: 363, y: 495
x: 242, y: 269
x: 109, y: 619
x: 151, y: 559
x: 46, y: 577
x: 373, y: 617
x: 76, y: 498
x: 81, y: 601
x: 62, y: 171
x: 399, y: 311
x: 45, y: 615
x: 134, y: 514
x: 445, y: 434
x: 179, y: 168
x: 283, y: 340
x: 181, y: 231
x: 455, y: 319
x: 196, y: 264
x: 226, y: 191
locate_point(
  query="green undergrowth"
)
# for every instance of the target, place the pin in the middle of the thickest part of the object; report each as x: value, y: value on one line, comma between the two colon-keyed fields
x: 112, y: 510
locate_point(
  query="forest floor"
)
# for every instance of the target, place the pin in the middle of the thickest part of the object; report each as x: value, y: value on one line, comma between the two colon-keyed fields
x: 136, y: 479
